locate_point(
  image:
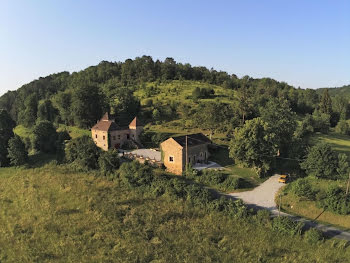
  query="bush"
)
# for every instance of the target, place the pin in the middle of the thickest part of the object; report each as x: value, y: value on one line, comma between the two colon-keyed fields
x: 211, y: 177
x: 83, y: 153
x: 108, y: 162
x: 335, y: 201
x: 135, y: 174
x: 343, y: 127
x: 313, y: 235
x: 232, y: 182
x: 17, y: 152
x: 302, y: 188
x: 286, y: 225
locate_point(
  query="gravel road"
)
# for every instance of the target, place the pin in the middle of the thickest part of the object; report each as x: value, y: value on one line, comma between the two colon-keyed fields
x: 263, y: 195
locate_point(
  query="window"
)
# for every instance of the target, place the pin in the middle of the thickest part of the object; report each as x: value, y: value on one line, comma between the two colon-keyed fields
x: 171, y: 159
x: 201, y: 154
x: 132, y: 135
x: 128, y: 136
x: 114, y: 138
x: 119, y: 137
x: 96, y: 136
x: 104, y: 137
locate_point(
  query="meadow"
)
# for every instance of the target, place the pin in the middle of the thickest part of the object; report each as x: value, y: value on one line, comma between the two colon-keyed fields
x: 53, y: 214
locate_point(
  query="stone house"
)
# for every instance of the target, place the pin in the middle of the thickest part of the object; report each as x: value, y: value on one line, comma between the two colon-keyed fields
x: 108, y: 133
x: 175, y: 149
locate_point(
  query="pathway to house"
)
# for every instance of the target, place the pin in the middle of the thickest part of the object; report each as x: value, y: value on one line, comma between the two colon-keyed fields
x: 263, y: 197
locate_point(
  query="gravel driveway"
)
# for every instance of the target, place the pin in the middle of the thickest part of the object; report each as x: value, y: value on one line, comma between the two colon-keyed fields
x: 262, y: 196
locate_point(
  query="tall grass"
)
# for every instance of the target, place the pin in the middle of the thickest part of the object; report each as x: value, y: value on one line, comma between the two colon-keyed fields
x: 52, y: 214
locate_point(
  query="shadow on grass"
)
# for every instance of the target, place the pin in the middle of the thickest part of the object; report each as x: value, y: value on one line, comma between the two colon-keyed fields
x: 40, y: 159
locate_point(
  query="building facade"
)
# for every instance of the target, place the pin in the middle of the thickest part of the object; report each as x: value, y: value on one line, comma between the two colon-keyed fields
x: 107, y: 134
x: 175, y: 149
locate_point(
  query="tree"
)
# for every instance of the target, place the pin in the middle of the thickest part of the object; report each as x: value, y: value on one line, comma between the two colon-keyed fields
x: 44, y: 137
x: 343, y: 168
x: 326, y: 103
x: 87, y: 105
x: 6, y: 132
x: 109, y: 161
x: 83, y: 152
x: 63, y: 102
x: 29, y: 115
x: 254, y: 145
x: 343, y: 127
x: 125, y: 102
x: 321, y: 122
x: 282, y: 122
x: 46, y: 111
x: 321, y: 161
x: 340, y: 105
x: 17, y: 152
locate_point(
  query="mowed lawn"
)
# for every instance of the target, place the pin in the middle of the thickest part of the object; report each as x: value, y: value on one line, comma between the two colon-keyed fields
x: 52, y: 214
x: 339, y: 142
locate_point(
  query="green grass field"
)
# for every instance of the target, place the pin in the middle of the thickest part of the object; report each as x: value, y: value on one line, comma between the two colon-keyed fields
x: 52, y: 214
x: 339, y: 142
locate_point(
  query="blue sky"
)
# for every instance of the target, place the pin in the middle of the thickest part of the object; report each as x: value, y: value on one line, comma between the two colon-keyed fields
x: 305, y: 43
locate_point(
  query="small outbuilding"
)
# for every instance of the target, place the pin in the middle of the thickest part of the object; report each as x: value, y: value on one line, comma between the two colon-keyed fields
x: 175, y: 150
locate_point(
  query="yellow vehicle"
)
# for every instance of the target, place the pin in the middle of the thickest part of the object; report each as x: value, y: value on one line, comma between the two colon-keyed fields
x: 283, y: 178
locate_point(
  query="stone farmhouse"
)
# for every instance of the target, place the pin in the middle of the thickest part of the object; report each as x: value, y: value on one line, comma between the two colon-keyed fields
x: 108, y: 133
x: 175, y: 150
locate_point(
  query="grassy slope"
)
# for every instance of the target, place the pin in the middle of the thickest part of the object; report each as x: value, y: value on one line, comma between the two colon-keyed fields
x: 53, y: 215
x: 74, y: 132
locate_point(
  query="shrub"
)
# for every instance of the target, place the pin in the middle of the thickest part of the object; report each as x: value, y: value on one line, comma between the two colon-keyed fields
x: 343, y: 127
x: 335, y: 201
x: 286, y: 225
x: 136, y: 175
x: 232, y: 182
x: 17, y: 152
x: 313, y: 235
x: 108, y: 162
x: 198, y: 196
x: 211, y: 177
x: 302, y: 188
x: 83, y: 153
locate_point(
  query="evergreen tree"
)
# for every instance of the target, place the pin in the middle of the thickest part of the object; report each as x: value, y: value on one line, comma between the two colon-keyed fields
x: 326, y: 103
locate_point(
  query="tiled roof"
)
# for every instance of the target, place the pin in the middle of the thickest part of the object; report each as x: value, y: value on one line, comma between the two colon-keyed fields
x: 106, y: 126
x: 135, y: 122
x: 109, y: 123
x: 192, y: 139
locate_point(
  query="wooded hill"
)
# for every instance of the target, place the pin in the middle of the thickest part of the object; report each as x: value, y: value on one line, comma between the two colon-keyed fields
x: 80, y: 98
x: 341, y: 91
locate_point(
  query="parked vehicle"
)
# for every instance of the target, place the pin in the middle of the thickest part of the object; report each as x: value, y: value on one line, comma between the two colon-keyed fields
x: 284, y: 178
